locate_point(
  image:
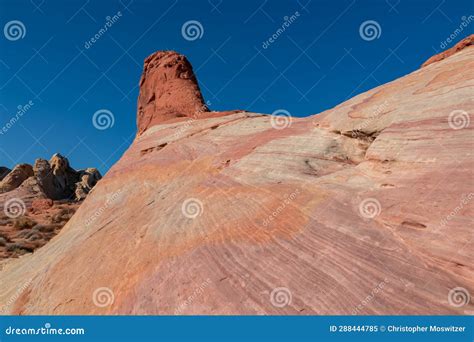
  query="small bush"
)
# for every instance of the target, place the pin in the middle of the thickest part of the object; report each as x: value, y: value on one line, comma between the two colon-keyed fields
x: 34, y: 236
x: 16, y: 247
x: 63, y: 216
x: 5, y: 221
x: 24, y: 222
x: 45, y: 228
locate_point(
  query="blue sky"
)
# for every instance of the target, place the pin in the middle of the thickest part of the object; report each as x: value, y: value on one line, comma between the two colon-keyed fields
x: 320, y: 60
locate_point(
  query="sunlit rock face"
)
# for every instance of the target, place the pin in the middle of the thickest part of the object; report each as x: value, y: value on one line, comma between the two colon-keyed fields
x: 168, y: 89
x: 365, y: 208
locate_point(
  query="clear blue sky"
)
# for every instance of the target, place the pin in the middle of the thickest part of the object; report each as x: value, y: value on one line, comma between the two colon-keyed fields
x: 319, y: 61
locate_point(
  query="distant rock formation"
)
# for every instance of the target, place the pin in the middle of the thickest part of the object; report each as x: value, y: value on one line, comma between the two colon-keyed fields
x: 37, y: 201
x: 365, y: 208
x: 16, y: 177
x: 88, y: 178
x: 55, y: 178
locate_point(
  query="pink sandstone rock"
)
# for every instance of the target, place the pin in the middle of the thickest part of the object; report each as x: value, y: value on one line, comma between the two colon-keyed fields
x: 365, y: 208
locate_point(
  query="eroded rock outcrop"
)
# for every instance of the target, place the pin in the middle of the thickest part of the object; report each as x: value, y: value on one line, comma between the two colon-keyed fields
x: 16, y: 177
x: 168, y: 90
x: 88, y: 178
x: 37, y: 202
x: 55, y: 178
x: 363, y: 209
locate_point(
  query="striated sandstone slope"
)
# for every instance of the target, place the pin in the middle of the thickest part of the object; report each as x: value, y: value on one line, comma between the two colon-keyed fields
x: 349, y: 211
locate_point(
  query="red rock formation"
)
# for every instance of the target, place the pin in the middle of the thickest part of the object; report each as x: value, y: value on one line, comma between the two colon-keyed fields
x: 468, y: 41
x: 168, y: 90
x: 366, y: 208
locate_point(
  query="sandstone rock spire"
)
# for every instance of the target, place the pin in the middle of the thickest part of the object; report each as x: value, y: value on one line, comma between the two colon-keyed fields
x: 168, y: 90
